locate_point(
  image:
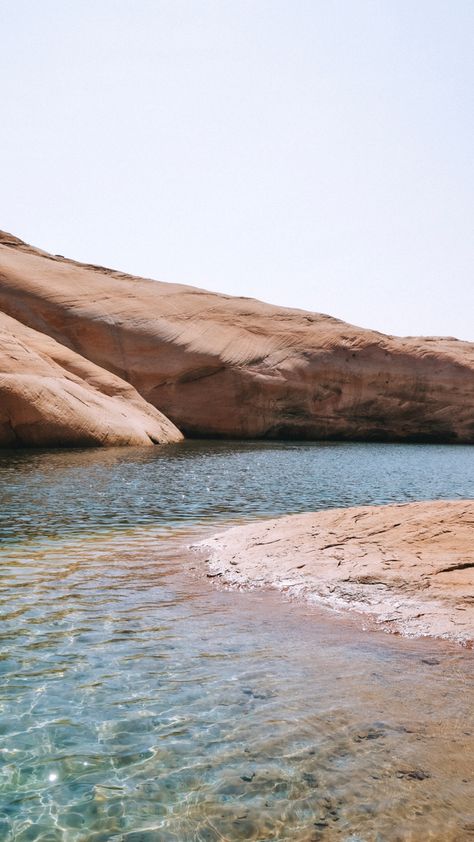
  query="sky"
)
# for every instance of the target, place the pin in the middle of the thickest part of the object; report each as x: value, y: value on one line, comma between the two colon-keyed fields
x: 311, y: 153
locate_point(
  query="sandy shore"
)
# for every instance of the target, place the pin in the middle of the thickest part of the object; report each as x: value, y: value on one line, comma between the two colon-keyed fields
x: 408, y: 568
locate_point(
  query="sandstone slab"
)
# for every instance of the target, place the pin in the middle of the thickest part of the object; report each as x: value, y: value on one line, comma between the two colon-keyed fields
x: 409, y: 568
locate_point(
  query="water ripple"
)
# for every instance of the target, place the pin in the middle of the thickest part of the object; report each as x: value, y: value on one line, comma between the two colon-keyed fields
x: 140, y: 703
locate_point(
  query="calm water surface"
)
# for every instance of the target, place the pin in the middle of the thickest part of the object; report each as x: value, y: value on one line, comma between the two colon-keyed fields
x: 139, y: 702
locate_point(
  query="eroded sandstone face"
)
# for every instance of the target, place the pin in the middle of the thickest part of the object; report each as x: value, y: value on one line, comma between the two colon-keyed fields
x: 51, y: 396
x: 223, y: 366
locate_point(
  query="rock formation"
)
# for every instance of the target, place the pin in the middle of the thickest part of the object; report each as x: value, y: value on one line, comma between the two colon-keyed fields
x: 409, y: 566
x: 51, y: 396
x: 236, y: 367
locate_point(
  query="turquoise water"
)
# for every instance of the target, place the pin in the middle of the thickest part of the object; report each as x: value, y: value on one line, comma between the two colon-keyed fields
x: 139, y: 702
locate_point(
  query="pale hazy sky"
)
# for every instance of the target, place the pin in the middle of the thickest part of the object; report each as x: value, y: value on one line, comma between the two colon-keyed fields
x: 313, y: 154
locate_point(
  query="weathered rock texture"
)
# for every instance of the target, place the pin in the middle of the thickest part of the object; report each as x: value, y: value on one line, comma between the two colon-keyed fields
x: 49, y: 395
x: 410, y: 566
x: 223, y: 366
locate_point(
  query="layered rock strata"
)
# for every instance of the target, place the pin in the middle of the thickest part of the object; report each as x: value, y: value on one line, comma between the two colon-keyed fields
x: 410, y: 567
x: 236, y: 367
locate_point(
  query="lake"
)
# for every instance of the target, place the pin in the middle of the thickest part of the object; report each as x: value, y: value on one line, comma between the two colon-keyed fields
x: 140, y: 702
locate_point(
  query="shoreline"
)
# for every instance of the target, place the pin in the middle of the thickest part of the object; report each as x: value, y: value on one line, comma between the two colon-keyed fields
x: 405, y: 568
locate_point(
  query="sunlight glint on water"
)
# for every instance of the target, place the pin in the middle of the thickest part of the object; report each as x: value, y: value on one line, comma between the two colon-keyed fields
x: 139, y: 702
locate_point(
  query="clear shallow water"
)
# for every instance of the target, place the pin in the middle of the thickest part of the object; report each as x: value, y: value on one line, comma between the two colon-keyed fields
x: 139, y: 702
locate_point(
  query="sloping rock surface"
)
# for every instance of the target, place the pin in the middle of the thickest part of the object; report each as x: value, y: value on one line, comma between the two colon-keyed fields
x: 409, y: 566
x: 223, y: 366
x: 51, y: 396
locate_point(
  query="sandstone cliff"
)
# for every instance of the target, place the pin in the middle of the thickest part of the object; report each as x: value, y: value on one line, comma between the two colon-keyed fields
x: 51, y: 396
x: 223, y: 366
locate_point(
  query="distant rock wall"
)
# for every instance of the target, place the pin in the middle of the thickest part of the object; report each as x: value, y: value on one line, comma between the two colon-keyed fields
x: 236, y: 367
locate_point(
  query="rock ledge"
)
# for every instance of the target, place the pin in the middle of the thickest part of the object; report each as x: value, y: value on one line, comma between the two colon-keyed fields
x: 408, y: 567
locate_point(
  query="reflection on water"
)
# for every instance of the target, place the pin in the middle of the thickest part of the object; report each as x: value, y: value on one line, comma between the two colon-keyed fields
x: 141, y: 703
